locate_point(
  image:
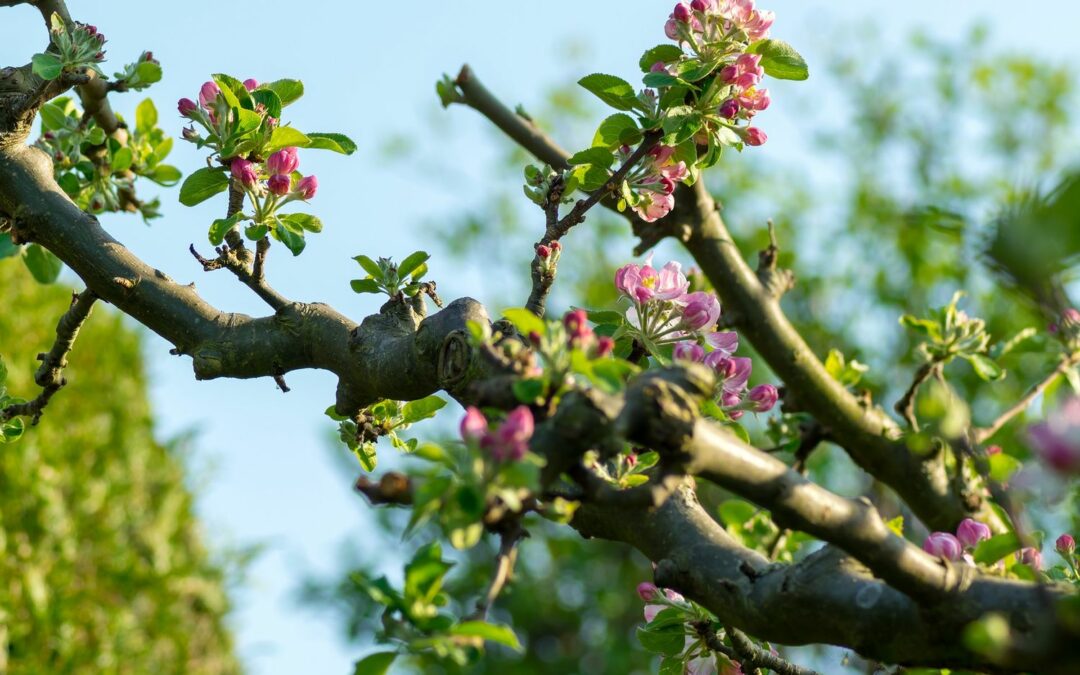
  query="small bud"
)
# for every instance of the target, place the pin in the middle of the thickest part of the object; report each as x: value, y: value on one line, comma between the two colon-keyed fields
x: 251, y: 84
x: 682, y: 13
x: 186, y: 107
x: 543, y: 251
x: 90, y: 30
x: 604, y: 346
x: 688, y: 351
x: 755, y: 136
x: 647, y: 591
x: 1065, y: 544
x: 474, y: 426
x: 993, y: 450
x: 189, y: 134
x: 283, y: 162
x: 763, y: 397
x: 1030, y: 556
x: 971, y: 532
x: 943, y: 545
x: 208, y: 93
x: 279, y: 185
x: 244, y: 171
x: 556, y: 246
x: 49, y: 136
x: 307, y: 187
x: 631, y: 460
x: 729, y: 109
x: 577, y: 324
x: 699, y: 5
x: 535, y: 338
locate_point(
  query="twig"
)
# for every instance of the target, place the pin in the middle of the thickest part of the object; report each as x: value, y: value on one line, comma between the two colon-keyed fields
x: 230, y: 258
x: 577, y: 214
x: 906, y: 405
x: 753, y: 656
x: 49, y: 375
x: 981, y: 435
x: 393, y: 489
x: 504, y: 566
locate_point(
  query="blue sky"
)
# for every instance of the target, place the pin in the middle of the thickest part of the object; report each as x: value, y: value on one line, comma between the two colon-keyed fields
x: 370, y: 69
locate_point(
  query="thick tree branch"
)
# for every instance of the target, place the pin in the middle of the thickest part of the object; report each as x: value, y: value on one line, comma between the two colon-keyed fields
x: 50, y: 375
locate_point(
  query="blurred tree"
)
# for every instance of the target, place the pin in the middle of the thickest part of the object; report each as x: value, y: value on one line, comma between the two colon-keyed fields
x: 102, y: 565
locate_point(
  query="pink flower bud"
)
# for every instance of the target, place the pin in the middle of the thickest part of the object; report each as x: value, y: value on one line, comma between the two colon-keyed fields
x: 1030, y: 556
x: 279, y: 185
x: 91, y: 30
x: 284, y: 161
x: 511, y: 440
x: 307, y: 187
x: 535, y: 338
x: 556, y: 246
x: 244, y: 171
x: 993, y: 450
x: 208, y: 93
x: 251, y: 84
x: 577, y: 325
x: 148, y: 57
x: 543, y: 251
x: 971, y: 532
x: 699, y: 5
x: 702, y: 311
x: 604, y: 346
x: 682, y: 13
x: 474, y: 426
x: 631, y: 460
x: 671, y: 29
x: 688, y: 351
x: 647, y: 591
x: 943, y: 545
x: 763, y: 397
x: 729, y: 109
x: 49, y: 136
x: 1065, y: 544
x: 755, y: 136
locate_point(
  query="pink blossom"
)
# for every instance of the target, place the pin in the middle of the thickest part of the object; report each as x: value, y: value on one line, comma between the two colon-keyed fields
x: 724, y: 341
x: 647, y: 591
x: 208, y: 93
x: 971, y: 532
x: 943, y: 545
x: 307, y: 187
x: 733, y: 371
x: 577, y: 327
x: 702, y: 310
x: 688, y: 351
x: 244, y: 171
x: 284, y: 161
x: 755, y: 136
x: 652, y: 610
x: 474, y: 426
x: 186, y: 106
x: 1030, y: 556
x: 251, y: 84
x: 757, y: 28
x: 1057, y: 439
x: 1065, y: 544
x: 511, y: 440
x: 604, y: 346
x: 279, y: 185
x: 671, y: 29
x: 763, y: 397
x: 754, y: 100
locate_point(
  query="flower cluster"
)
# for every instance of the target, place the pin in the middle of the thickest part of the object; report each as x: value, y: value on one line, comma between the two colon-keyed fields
x: 721, y: 31
x: 509, y: 442
x: 652, y: 182
x: 213, y: 112
x: 82, y: 45
x: 580, y: 335
x: 1057, y: 439
x: 697, y: 658
x: 968, y: 535
x: 664, y: 312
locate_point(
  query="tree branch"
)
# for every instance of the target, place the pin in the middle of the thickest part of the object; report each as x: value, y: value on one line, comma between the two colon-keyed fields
x: 50, y: 375
x: 981, y: 435
x: 906, y: 405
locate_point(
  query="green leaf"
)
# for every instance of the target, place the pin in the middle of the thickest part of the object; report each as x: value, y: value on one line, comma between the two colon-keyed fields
x: 596, y: 156
x: 780, y: 60
x: 286, y: 137
x: 220, y: 227
x: 463, y: 538
x: 669, y: 640
x: 365, y: 286
x: 369, y: 265
x: 13, y: 429
x: 336, y: 142
x: 47, y: 66
x: 660, y: 80
x: 375, y: 664
x: 304, y: 221
x: 164, y: 174
x: 202, y: 185
x: 146, y: 116
x: 615, y: 91
x: 618, y: 129
x: 490, y: 632
x: 665, y: 53
x: 414, y: 411
x: 53, y: 117
x: 121, y: 160
x: 232, y: 90
x: 528, y: 391
x: 269, y: 100
x: 43, y: 265
x: 291, y: 235
x: 246, y: 121
x: 411, y: 263
x: 148, y: 73
x: 367, y: 456
x: 1003, y: 466
x: 985, y: 367
x: 287, y: 90
x: 997, y: 547
x: 525, y: 321
x: 736, y: 512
